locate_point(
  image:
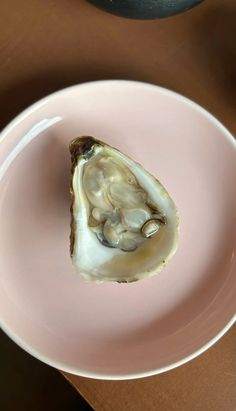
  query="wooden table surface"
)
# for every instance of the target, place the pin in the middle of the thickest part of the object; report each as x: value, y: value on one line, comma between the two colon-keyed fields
x: 47, y: 45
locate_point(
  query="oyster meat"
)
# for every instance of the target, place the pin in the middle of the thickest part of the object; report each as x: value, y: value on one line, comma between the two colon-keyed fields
x: 124, y: 225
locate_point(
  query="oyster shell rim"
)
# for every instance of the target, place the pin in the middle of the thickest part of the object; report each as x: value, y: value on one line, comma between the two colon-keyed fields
x: 83, y: 146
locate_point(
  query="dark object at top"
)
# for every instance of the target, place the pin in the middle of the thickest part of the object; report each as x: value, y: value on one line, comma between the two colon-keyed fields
x: 145, y: 9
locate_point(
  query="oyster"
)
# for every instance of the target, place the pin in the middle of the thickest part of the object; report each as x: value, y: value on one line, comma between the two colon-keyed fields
x: 124, y: 225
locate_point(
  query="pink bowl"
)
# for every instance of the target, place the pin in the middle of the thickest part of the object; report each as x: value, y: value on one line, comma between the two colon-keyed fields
x: 116, y: 331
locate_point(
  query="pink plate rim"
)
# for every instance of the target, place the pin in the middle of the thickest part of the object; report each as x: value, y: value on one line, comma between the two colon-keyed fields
x: 84, y: 373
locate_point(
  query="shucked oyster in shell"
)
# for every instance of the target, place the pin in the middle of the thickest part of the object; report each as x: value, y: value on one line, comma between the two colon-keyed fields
x: 124, y: 225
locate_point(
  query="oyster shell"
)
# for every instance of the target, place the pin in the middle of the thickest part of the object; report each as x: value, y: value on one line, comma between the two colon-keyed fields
x: 124, y: 225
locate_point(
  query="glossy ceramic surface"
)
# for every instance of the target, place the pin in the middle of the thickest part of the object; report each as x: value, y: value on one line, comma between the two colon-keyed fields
x: 116, y: 330
x: 146, y: 9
